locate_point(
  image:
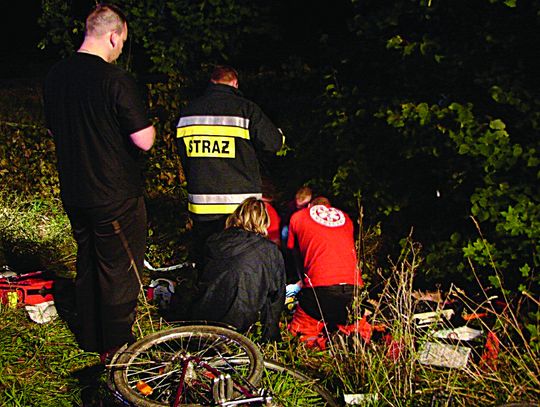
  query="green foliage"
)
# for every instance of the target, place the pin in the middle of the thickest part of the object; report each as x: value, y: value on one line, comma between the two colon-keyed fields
x: 506, y: 206
x: 434, y: 124
x: 27, y: 160
x: 21, y: 103
x: 34, y: 233
x: 176, y: 34
x: 63, y: 31
x: 170, y: 37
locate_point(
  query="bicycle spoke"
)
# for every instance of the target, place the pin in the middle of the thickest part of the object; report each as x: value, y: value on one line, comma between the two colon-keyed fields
x: 186, y: 360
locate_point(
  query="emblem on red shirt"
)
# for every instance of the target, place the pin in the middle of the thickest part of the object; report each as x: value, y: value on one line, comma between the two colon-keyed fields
x: 326, y: 216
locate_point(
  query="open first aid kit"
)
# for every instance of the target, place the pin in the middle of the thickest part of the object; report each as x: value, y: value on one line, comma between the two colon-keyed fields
x: 25, y: 289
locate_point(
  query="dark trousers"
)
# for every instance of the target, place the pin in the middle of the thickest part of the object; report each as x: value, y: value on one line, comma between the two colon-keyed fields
x: 202, y: 229
x: 111, y: 242
x: 334, y: 301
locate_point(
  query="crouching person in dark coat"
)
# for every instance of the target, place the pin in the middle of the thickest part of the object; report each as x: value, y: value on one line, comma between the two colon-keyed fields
x: 243, y: 280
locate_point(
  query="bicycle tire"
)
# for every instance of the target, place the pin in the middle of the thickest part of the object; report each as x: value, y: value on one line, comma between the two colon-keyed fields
x: 314, y: 393
x: 155, y: 361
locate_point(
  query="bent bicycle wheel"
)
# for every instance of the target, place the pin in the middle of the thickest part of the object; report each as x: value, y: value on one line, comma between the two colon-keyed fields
x: 183, y: 363
x: 290, y: 387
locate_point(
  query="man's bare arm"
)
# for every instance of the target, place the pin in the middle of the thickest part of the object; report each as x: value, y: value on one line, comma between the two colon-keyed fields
x: 144, y: 139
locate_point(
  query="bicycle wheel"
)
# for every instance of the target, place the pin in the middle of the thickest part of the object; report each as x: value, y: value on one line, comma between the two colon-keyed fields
x: 290, y: 387
x: 150, y: 371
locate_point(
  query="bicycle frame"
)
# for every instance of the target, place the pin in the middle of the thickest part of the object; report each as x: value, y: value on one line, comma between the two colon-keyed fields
x: 223, y: 386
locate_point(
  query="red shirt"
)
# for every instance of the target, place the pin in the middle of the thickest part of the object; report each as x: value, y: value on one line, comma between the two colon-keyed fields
x: 324, y: 236
x: 274, y: 233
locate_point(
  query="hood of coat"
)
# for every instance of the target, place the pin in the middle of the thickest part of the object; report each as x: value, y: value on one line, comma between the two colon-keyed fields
x: 231, y: 242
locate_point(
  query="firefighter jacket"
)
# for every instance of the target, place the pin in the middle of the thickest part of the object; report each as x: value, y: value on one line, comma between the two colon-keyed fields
x: 220, y: 136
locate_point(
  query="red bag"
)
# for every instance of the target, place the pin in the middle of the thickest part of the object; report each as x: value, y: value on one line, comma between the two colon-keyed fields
x: 27, y: 289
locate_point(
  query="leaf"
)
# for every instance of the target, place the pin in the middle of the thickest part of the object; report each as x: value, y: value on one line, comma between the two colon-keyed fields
x: 525, y: 270
x: 464, y: 149
x: 517, y: 150
x: 497, y: 124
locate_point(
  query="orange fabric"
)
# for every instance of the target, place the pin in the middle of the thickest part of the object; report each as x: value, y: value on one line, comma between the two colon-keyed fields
x: 307, y: 328
x: 394, y: 349
x: 312, y: 332
x: 491, y: 351
x: 361, y: 327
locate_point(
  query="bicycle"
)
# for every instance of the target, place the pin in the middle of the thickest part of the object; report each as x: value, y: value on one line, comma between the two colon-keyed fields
x: 204, y: 365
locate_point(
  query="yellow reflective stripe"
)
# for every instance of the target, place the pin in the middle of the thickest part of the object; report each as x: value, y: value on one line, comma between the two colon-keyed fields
x: 230, y: 131
x: 221, y: 209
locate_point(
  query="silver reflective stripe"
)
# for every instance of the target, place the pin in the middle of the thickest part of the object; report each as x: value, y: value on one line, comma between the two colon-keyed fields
x: 220, y: 199
x: 214, y: 121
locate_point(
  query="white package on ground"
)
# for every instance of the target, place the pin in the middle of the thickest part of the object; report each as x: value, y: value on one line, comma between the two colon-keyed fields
x: 444, y: 355
x: 42, y: 313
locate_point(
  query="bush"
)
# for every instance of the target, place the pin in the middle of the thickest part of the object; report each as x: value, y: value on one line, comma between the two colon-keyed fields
x: 35, y: 233
x: 27, y: 160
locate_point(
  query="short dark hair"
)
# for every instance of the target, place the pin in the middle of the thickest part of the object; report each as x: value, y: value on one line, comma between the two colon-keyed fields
x: 303, y: 192
x: 320, y: 200
x: 223, y: 73
x: 105, y: 17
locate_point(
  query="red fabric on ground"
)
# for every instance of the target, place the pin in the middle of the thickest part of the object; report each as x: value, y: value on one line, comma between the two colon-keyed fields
x: 312, y: 332
x: 491, y: 351
x: 307, y: 328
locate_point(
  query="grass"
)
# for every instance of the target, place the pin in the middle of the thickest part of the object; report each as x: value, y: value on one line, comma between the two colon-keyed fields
x: 400, y: 380
x: 42, y: 365
x: 38, y: 362
x: 35, y: 233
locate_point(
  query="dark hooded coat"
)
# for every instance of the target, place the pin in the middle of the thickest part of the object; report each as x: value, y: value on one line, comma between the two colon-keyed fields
x: 243, y: 282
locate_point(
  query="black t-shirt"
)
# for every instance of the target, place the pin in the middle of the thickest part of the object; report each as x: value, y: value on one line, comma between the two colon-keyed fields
x: 92, y: 107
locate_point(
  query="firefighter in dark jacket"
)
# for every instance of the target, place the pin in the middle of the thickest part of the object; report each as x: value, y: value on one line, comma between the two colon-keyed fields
x: 244, y: 277
x: 221, y: 137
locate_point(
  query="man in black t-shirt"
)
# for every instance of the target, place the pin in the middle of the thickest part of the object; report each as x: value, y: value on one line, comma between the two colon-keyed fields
x: 99, y: 123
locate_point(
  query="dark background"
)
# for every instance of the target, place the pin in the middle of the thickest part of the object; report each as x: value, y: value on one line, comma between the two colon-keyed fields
x: 300, y: 25
x: 21, y: 33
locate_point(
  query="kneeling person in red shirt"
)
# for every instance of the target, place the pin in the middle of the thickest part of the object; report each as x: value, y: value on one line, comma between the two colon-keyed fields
x: 322, y: 236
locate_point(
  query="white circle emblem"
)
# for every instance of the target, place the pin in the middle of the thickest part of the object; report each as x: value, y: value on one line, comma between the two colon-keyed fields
x: 326, y: 216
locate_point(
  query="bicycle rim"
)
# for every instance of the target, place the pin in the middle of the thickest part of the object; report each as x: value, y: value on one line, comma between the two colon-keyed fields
x: 149, y: 372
